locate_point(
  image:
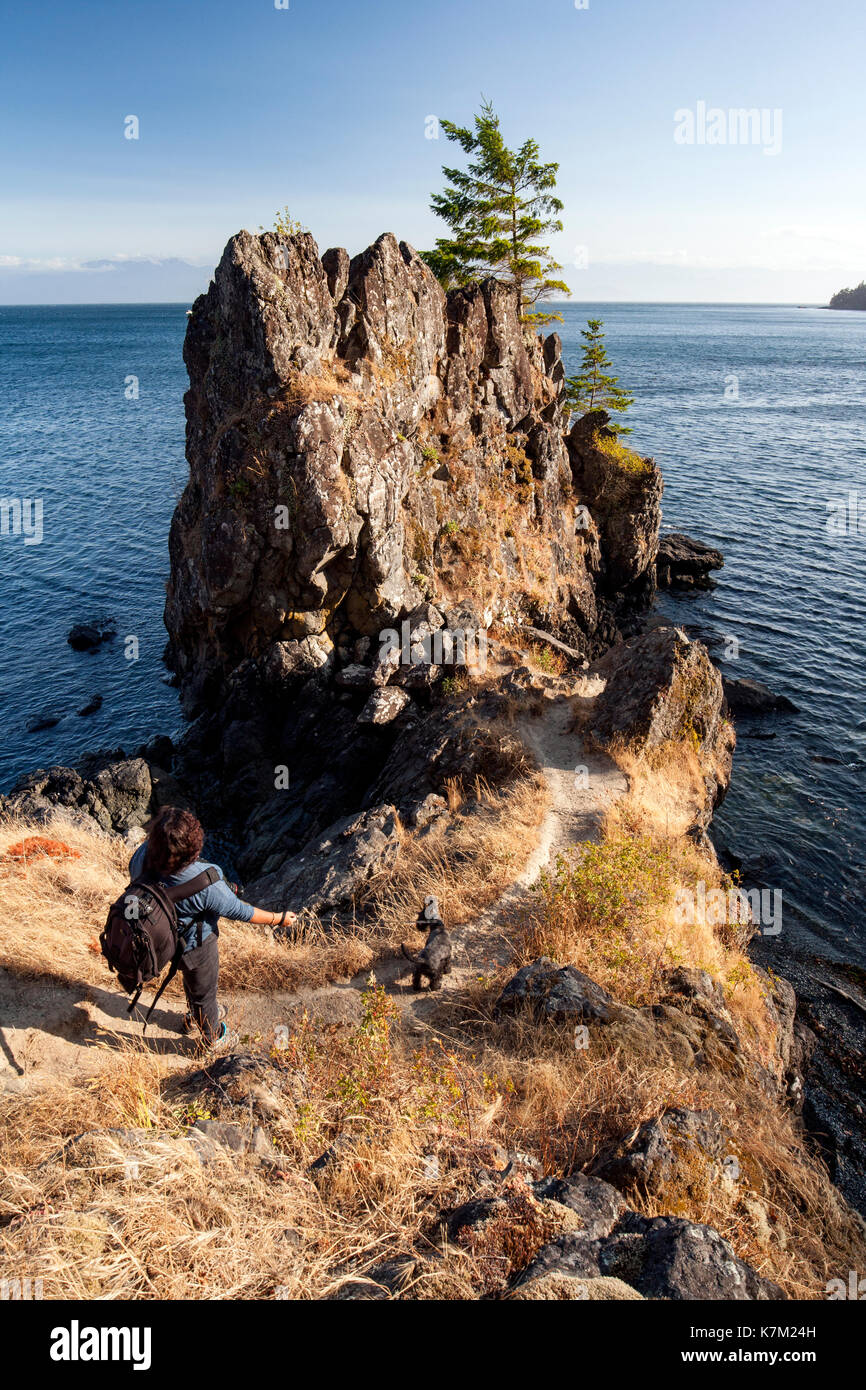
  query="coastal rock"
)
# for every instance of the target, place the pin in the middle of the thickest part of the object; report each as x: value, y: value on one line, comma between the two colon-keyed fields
x: 89, y: 637
x: 555, y: 992
x: 47, y: 720
x: 117, y: 795
x: 748, y: 697
x: 93, y: 705
x: 328, y: 874
x: 623, y: 495
x: 349, y: 431
x: 660, y: 689
x: 682, y: 562
x: 661, y: 1257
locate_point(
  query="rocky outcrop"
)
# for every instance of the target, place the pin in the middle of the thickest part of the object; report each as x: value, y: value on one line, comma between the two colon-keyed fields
x: 358, y: 443
x: 117, y: 796
x: 661, y: 690
x: 623, y: 493
x: 378, y: 472
x: 106, y: 791
x: 684, y: 563
x: 329, y: 873
x: 576, y: 1238
x: 662, y: 1257
x: 748, y: 697
x: 677, y: 1157
x: 547, y: 990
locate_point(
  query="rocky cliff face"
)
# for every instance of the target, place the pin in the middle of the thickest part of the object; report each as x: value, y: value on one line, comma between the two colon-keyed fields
x: 360, y: 444
x: 369, y: 455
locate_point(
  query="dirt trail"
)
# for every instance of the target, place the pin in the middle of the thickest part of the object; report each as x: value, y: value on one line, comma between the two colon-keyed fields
x: 51, y: 1029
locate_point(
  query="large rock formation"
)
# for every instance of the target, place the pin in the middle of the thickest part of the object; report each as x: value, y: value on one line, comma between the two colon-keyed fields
x: 370, y: 456
x: 359, y: 442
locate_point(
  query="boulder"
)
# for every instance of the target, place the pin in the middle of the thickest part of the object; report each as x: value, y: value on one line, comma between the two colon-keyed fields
x: 384, y: 706
x: 661, y: 689
x: 93, y: 705
x: 117, y: 795
x: 598, y: 1204
x: 557, y: 1287
x: 555, y: 992
x: 676, y: 1158
x: 685, y: 563
x: 329, y: 872
x: 748, y: 697
x: 89, y: 637
x: 662, y: 1257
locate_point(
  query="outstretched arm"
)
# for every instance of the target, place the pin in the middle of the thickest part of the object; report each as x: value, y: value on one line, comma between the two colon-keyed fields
x: 228, y: 904
x: 261, y: 917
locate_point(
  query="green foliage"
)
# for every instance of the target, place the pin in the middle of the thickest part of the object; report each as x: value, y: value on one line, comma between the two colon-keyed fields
x: 499, y: 210
x: 285, y: 225
x: 603, y: 890
x: 594, y: 388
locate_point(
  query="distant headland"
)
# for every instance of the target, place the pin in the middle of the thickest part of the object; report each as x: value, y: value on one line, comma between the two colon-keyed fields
x: 850, y: 299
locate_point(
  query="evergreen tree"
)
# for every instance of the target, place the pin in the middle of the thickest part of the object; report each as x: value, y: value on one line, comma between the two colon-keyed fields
x: 499, y: 210
x: 593, y: 388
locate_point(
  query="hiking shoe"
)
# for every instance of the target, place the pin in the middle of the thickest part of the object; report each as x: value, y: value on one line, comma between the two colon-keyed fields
x: 224, y: 1041
x: 189, y: 1025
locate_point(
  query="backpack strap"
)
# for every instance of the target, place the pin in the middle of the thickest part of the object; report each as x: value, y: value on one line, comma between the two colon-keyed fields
x: 173, y: 969
x: 180, y: 891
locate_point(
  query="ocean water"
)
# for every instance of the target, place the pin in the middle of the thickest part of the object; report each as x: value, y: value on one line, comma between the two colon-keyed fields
x: 108, y: 469
x: 757, y: 416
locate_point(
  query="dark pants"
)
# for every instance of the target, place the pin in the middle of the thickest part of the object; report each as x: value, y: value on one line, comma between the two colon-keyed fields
x: 200, y: 968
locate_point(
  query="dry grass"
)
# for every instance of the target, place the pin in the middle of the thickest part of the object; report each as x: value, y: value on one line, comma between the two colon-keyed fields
x: 411, y: 1125
x: 466, y: 858
x: 53, y: 909
x: 102, y: 1196
x: 666, y: 788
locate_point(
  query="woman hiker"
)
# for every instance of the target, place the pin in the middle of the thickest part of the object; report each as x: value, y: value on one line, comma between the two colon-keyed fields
x: 171, y: 853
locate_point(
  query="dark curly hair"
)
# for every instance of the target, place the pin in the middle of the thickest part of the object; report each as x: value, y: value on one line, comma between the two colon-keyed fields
x: 175, y: 840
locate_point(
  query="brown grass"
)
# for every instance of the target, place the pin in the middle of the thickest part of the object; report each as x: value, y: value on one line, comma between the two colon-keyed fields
x: 54, y: 909
x: 467, y: 858
x: 246, y: 1228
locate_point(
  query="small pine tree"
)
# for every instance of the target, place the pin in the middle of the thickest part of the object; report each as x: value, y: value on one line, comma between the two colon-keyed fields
x: 593, y: 388
x: 498, y: 210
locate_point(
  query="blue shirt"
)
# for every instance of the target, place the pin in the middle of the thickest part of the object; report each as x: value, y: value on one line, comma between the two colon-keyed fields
x: 213, y: 902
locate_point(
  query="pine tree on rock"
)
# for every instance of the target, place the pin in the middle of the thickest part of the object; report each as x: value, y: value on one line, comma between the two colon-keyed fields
x: 593, y: 388
x: 499, y: 210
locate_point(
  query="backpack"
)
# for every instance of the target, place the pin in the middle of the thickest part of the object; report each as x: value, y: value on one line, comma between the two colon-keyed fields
x: 141, y: 933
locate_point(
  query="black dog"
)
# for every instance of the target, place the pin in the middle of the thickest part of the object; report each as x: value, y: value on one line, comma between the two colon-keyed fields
x: 434, y: 960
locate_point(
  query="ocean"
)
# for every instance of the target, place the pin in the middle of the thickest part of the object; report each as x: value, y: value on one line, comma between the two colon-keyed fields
x: 756, y: 415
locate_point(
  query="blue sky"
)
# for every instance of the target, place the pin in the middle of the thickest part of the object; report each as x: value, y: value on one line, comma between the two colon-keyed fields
x: 244, y: 107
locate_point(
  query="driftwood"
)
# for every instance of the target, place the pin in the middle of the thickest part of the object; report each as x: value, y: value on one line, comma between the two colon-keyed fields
x: 540, y: 636
x: 849, y: 997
